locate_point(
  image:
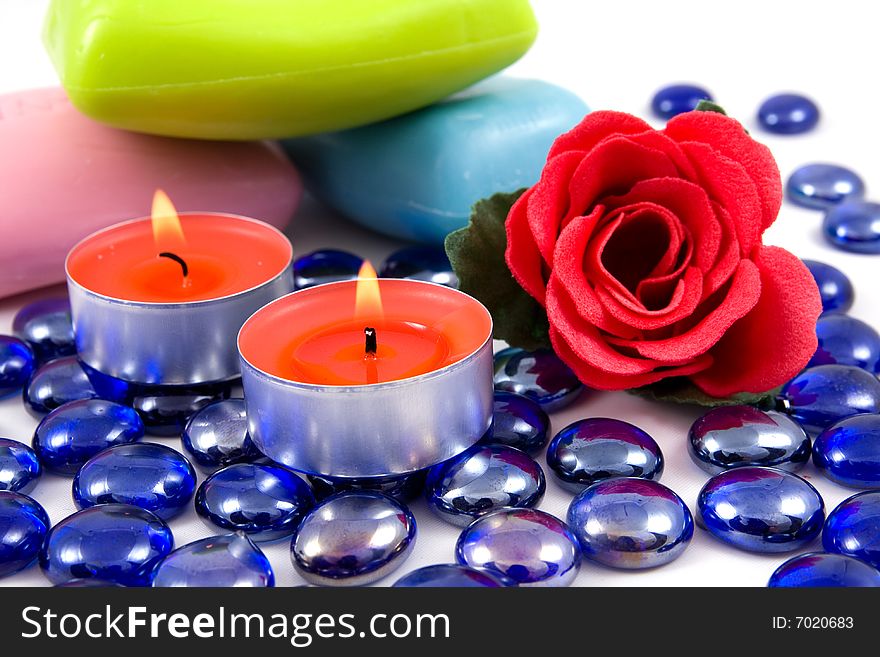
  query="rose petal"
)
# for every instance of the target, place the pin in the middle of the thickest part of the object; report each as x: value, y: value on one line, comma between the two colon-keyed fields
x: 613, y: 167
x: 602, y: 380
x: 729, y: 138
x: 595, y: 127
x: 522, y: 255
x: 745, y: 289
x: 685, y: 299
x: 569, y: 271
x: 688, y: 202
x: 728, y: 256
x: 549, y: 202
x: 727, y: 182
x: 776, y: 339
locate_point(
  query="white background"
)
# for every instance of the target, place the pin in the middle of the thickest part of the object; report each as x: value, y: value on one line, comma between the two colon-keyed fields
x: 615, y: 55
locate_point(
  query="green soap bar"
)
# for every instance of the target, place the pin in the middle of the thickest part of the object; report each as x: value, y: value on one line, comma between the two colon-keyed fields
x: 256, y: 69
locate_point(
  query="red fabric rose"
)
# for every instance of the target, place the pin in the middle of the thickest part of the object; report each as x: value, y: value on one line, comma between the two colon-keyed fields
x: 644, y: 247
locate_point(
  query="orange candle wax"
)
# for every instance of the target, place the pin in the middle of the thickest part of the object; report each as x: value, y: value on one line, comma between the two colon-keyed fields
x: 317, y: 336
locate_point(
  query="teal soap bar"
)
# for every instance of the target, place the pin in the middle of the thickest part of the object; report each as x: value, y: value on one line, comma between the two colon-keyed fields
x: 417, y: 176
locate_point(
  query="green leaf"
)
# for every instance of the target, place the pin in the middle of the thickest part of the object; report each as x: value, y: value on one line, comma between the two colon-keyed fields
x: 709, y: 106
x: 680, y: 390
x: 477, y: 256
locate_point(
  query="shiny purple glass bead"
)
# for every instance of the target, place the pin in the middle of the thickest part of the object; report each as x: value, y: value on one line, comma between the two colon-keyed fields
x: 835, y: 289
x: 68, y: 379
x: 848, y: 452
x: 117, y: 543
x: 146, y: 475
x: 483, y: 479
x: 401, y: 487
x: 420, y: 263
x: 539, y: 375
x: 20, y: 469
x: 166, y: 410
x: 352, y: 539
x: 676, y: 99
x: 46, y: 326
x: 822, y: 186
x: 853, y: 528
x: 16, y: 364
x: 517, y: 422
x: 630, y: 523
x: 854, y: 226
x: 594, y: 449
x: 736, y: 436
x: 761, y: 510
x: 73, y: 433
x: 788, y: 114
x: 217, y: 435
x: 528, y: 546
x: 266, y: 502
x: 448, y: 575
x: 845, y: 340
x: 23, y: 527
x: 325, y: 266
x: 820, y: 396
x: 824, y: 570
x: 217, y: 561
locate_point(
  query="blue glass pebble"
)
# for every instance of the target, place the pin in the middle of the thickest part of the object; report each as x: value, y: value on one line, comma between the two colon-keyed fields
x: 448, y: 575
x: 845, y: 340
x: 117, y: 543
x: 482, y: 479
x: 848, y: 452
x: 86, y: 584
x: 761, y: 509
x: 820, y: 396
x: 217, y: 435
x: 854, y: 226
x: 594, y: 449
x: 853, y: 528
x: 821, y: 186
x: 539, y: 375
x: 630, y: 523
x: 788, y: 114
x: 16, y: 364
x: 150, y: 476
x: 835, y: 289
x: 266, y: 502
x: 352, y: 539
x: 58, y: 382
x: 46, y: 326
x: 737, y: 436
x: 20, y: 469
x: 420, y: 263
x: 166, y: 410
x: 519, y: 422
x: 72, y: 434
x: 325, y: 266
x: 824, y: 570
x: 528, y: 546
x: 216, y: 561
x: 401, y: 487
x: 23, y: 526
x: 676, y: 99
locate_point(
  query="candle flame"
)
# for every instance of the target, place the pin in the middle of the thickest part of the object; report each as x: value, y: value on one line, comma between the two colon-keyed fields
x: 167, y: 231
x: 368, y: 299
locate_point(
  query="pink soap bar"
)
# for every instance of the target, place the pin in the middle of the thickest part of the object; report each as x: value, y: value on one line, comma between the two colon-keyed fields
x: 64, y: 176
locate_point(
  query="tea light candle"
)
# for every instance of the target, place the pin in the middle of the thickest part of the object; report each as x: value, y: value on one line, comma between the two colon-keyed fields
x: 159, y: 300
x: 367, y: 378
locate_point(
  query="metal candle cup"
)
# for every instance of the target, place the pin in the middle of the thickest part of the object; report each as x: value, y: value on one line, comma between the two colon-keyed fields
x: 136, y: 331
x: 390, y: 427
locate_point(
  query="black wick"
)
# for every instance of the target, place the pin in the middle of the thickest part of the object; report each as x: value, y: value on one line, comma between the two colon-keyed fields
x: 370, y: 345
x: 176, y: 258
